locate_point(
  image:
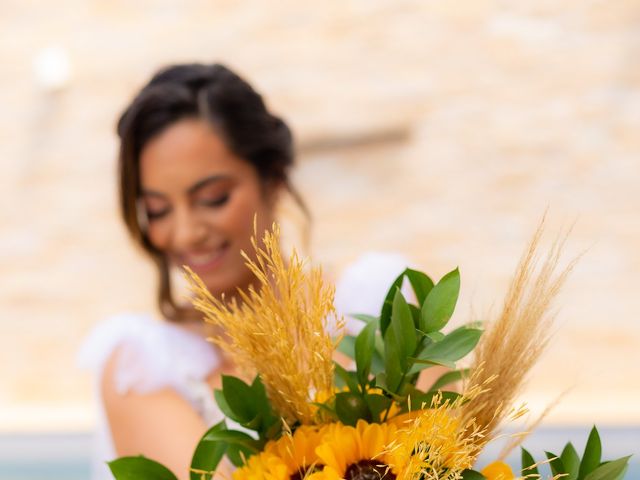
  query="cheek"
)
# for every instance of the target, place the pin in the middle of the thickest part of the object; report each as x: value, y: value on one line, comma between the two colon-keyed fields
x: 158, y: 234
x: 240, y: 215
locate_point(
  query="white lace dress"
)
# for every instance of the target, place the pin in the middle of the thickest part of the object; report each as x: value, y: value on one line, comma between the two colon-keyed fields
x: 155, y: 354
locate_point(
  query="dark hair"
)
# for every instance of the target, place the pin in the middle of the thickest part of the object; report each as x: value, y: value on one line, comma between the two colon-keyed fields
x: 232, y: 106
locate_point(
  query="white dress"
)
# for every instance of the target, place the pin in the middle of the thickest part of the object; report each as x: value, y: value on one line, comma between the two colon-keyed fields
x: 154, y: 354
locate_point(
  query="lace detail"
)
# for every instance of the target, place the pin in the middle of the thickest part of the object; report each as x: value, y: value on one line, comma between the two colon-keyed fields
x: 153, y: 354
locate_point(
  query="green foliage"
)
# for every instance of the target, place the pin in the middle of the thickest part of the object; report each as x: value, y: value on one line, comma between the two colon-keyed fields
x: 449, y: 378
x: 610, y: 470
x: 451, y: 348
x: 528, y: 464
x: 392, y: 349
x: 420, y: 283
x: 364, y: 350
x: 470, y: 474
x: 207, y: 454
x: 440, y: 303
x: 570, y: 466
x: 246, y: 404
x: 348, y: 346
x: 139, y: 468
x: 571, y: 461
x: 237, y: 443
x: 350, y: 407
x: 592, y: 454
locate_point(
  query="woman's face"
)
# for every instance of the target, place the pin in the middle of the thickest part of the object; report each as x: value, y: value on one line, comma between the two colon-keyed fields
x: 200, y: 200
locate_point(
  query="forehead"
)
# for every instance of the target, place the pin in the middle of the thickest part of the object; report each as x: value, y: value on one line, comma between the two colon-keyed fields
x: 184, y: 153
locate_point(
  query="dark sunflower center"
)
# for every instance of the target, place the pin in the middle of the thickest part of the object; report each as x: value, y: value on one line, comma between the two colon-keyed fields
x: 369, y: 470
x: 303, y: 472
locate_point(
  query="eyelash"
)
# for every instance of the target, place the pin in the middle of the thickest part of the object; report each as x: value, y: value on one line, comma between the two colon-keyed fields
x: 218, y: 202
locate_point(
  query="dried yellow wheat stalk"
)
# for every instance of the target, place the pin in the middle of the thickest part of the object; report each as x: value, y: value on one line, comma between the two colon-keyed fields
x: 279, y: 329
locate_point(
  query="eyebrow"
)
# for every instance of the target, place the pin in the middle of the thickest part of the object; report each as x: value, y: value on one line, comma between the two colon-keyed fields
x: 193, y: 188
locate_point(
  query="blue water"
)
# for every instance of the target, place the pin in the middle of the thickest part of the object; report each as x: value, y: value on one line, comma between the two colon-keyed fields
x: 66, y: 456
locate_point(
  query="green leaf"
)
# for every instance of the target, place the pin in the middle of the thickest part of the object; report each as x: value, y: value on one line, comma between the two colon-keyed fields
x: 232, y: 437
x: 421, y: 284
x: 415, y: 316
x: 348, y: 346
x: 381, y: 381
x: 377, y: 361
x: 441, y: 302
x: 224, y: 407
x: 622, y: 474
x: 238, y: 445
x: 555, y: 462
x: 260, y: 395
x: 208, y: 454
x: 453, y: 346
x: 238, y: 455
x: 435, y: 336
x: 377, y: 404
x: 422, y: 364
x: 364, y: 317
x: 469, y: 474
x: 385, y: 313
x: 239, y: 398
x: 392, y: 369
x: 404, y: 329
x: 592, y: 454
x: 364, y: 348
x: 571, y: 461
x: 351, y: 407
x: 139, y: 468
x: 345, y: 378
x: 448, y: 378
x: 528, y: 463
x: 609, y: 470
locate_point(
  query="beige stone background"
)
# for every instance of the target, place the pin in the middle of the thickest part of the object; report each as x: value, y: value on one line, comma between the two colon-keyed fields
x: 438, y: 129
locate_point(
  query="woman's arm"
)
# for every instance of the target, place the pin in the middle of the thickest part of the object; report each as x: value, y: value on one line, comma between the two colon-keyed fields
x: 162, y: 425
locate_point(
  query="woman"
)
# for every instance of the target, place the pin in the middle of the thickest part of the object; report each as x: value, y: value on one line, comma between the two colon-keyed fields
x: 200, y: 158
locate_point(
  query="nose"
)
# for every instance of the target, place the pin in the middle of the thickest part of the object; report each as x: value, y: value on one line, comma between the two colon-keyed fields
x: 189, y: 230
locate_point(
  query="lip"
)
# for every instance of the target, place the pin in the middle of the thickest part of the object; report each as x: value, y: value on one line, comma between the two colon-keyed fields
x: 205, y: 261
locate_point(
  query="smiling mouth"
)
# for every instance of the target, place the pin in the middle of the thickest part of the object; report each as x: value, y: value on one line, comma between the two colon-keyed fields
x: 205, y: 261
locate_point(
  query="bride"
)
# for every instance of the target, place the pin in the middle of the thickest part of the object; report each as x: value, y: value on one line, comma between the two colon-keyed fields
x: 200, y: 157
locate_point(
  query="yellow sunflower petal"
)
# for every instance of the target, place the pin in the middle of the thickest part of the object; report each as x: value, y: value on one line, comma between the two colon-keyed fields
x: 498, y: 471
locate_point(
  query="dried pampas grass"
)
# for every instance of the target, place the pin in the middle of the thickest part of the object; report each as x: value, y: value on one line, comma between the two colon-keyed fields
x: 513, y: 343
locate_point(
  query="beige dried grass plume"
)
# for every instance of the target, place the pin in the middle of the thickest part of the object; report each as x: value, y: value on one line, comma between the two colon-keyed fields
x: 513, y: 343
x: 279, y: 329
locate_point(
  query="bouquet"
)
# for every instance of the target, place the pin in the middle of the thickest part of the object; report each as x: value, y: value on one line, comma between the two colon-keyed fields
x: 297, y: 413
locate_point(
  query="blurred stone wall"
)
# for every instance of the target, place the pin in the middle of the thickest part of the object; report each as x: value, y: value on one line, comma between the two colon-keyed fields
x: 440, y: 130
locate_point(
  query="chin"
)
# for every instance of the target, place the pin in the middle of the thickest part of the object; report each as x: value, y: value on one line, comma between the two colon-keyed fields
x: 227, y: 285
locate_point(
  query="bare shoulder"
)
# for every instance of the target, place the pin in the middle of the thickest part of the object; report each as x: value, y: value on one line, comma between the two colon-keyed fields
x: 160, y: 425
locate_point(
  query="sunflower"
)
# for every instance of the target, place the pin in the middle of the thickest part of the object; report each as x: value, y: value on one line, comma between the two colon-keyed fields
x: 291, y: 457
x: 498, y: 471
x: 356, y: 453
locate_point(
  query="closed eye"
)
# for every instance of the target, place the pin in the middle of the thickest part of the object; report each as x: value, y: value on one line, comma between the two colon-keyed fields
x: 216, y: 202
x: 157, y: 214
